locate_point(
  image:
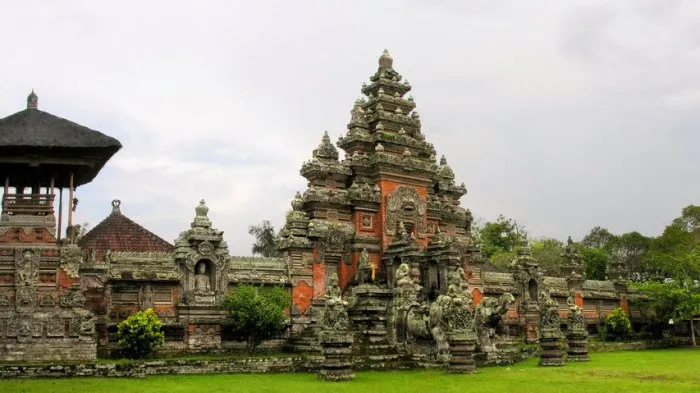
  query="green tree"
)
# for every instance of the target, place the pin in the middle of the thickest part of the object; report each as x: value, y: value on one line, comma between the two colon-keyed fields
x: 264, y: 234
x: 629, y: 249
x: 140, y: 334
x: 256, y: 313
x: 689, y: 219
x: 548, y: 254
x: 676, y: 253
x: 595, y: 262
x: 502, y: 235
x: 600, y: 238
x: 672, y: 301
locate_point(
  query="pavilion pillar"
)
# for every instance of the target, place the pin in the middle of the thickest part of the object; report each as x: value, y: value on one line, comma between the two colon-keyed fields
x: 60, y: 213
x: 70, y: 201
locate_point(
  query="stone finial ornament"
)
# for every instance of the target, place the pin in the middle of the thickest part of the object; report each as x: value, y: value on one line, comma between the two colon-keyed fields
x: 201, y: 220
x: 32, y: 100
x: 385, y: 60
x: 326, y: 149
x: 115, y: 206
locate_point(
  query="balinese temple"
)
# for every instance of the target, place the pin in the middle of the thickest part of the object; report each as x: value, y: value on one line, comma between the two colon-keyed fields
x: 384, y: 217
x: 43, y: 157
x: 390, y: 197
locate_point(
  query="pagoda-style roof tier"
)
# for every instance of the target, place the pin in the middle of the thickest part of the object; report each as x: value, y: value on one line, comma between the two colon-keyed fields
x: 325, y: 196
x: 37, y: 146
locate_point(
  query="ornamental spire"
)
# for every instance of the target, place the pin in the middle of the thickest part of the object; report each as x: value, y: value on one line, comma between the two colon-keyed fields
x: 385, y: 60
x: 326, y: 149
x: 32, y: 100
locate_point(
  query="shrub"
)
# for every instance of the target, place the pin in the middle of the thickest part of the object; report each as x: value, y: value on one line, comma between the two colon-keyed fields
x: 256, y: 313
x: 616, y: 326
x: 140, y: 334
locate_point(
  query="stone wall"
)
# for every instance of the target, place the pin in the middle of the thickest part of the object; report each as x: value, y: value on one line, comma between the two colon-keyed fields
x: 58, y: 349
x: 281, y: 364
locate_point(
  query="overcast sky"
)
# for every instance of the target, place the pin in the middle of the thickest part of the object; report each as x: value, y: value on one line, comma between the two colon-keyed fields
x: 561, y: 114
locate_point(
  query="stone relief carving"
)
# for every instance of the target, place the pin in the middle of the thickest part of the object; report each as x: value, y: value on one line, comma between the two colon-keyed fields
x: 71, y: 259
x: 55, y: 326
x: 336, y: 242
x: 4, y: 299
x: 405, y: 205
x: 26, y: 277
x: 47, y: 300
x: 72, y: 298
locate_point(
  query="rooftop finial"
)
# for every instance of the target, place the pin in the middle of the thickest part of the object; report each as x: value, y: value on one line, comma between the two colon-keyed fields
x: 32, y: 101
x: 385, y: 61
x: 115, y: 206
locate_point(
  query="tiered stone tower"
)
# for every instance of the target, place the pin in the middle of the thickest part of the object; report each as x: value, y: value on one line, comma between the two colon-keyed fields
x: 389, y: 196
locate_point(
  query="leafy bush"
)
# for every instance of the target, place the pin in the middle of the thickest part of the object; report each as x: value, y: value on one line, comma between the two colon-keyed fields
x: 616, y: 326
x: 256, y: 313
x: 140, y: 334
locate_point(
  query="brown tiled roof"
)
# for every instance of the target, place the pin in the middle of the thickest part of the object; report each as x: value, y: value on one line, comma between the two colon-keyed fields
x: 118, y: 233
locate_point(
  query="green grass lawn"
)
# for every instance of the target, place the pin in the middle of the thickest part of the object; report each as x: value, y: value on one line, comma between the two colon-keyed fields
x: 639, y: 371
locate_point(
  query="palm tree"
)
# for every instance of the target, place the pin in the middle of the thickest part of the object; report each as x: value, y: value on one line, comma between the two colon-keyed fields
x: 264, y: 234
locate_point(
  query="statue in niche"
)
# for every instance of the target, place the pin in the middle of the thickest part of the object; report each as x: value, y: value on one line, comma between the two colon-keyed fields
x: 202, y: 283
x: 146, y: 297
x: 365, y: 272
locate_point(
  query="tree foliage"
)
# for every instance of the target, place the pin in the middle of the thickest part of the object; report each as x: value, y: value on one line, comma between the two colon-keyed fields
x: 600, y: 238
x: 676, y: 253
x: 502, y: 235
x: 595, y: 262
x: 264, y: 234
x: 140, y: 334
x: 256, y: 313
x: 548, y: 253
x: 629, y: 249
x: 672, y: 301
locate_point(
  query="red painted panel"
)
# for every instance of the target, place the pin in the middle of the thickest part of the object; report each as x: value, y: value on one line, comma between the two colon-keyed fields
x: 302, y: 295
x: 477, y: 296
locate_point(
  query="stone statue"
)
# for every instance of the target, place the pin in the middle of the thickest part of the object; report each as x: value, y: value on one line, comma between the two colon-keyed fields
x: 335, y: 316
x: 201, y: 279
x: 336, y: 336
x: 146, y: 297
x: 549, y: 311
x: 438, y: 321
x: 489, y: 314
x: 364, y: 268
x: 575, y: 320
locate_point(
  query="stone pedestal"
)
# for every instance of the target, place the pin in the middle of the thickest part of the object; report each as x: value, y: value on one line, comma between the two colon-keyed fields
x: 203, y: 327
x: 369, y: 318
x: 337, y: 353
x: 462, y: 348
x: 551, y: 353
x: 578, y: 345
